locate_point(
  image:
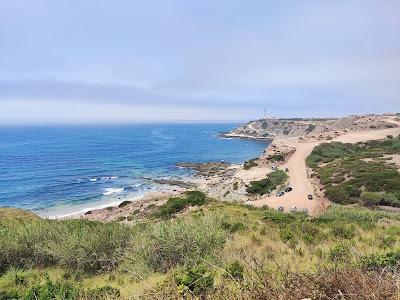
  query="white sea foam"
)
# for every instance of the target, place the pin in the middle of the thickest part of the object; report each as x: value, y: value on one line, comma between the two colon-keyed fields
x: 109, y: 177
x: 93, y: 179
x: 109, y: 191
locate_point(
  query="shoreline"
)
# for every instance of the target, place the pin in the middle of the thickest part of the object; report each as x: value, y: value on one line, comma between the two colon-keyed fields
x: 229, y: 182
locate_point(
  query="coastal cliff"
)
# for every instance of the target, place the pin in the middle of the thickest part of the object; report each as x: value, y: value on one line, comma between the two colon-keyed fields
x: 269, y: 128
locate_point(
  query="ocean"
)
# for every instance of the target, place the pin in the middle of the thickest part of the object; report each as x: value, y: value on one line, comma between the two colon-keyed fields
x: 56, y: 171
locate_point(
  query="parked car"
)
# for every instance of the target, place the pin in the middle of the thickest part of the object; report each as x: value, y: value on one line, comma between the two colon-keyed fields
x: 279, y: 194
x: 248, y: 203
x: 286, y: 170
x: 274, y: 168
x: 304, y: 210
x: 293, y: 209
x: 288, y: 189
x: 310, y: 197
x: 280, y: 208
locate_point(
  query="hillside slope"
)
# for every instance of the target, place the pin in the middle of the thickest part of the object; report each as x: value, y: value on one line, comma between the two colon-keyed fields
x: 269, y: 128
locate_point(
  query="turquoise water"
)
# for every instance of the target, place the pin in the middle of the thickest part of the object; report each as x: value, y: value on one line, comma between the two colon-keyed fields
x: 63, y: 169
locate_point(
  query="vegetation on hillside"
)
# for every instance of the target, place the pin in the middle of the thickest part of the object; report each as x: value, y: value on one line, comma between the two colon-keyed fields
x: 175, y: 205
x: 248, y: 164
x: 359, y: 173
x: 267, y: 185
x: 276, y: 157
x: 217, y: 251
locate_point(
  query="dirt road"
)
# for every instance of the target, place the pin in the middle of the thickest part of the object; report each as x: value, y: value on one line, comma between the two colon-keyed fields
x: 298, y: 177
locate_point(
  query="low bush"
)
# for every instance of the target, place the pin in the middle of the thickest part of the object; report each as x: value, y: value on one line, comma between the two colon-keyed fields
x: 379, y: 261
x: 177, y: 204
x: 235, y: 185
x: 276, y: 157
x: 250, y: 164
x: 233, y: 227
x: 183, y: 241
x: 124, y: 203
x: 358, y: 215
x: 265, y: 186
x: 73, y: 244
x: 235, y: 271
x: 198, y: 280
x: 343, y: 231
x: 339, y: 254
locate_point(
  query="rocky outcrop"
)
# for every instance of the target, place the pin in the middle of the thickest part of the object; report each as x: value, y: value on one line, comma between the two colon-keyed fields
x: 206, y: 169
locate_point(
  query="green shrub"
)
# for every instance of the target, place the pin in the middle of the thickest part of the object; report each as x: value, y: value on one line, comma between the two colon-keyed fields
x: 250, y: 164
x: 73, y: 244
x: 235, y: 271
x: 343, y: 231
x: 232, y: 228
x: 124, y: 203
x: 235, y: 185
x: 288, y: 236
x: 198, y: 280
x: 176, y: 204
x: 9, y: 295
x: 276, y: 157
x: 52, y: 290
x: 265, y: 186
x: 104, y: 292
x: 379, y: 261
x: 196, y: 198
x: 339, y: 254
x: 181, y: 241
x: 359, y: 215
x: 281, y: 218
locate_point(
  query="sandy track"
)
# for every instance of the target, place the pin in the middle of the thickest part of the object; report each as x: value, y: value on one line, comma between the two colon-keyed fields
x: 298, y: 177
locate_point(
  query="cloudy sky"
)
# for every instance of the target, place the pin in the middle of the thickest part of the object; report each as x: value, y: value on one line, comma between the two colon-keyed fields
x: 96, y: 61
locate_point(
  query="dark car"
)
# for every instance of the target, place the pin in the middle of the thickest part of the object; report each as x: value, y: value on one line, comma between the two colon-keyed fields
x: 310, y: 197
x: 280, y: 208
x: 288, y: 189
x: 278, y: 194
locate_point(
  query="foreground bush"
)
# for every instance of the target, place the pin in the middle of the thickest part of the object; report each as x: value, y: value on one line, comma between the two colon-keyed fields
x: 39, y: 286
x: 176, y: 242
x: 72, y: 244
x: 346, y: 283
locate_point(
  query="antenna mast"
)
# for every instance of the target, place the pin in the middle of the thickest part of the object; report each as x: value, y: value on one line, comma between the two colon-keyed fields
x: 265, y: 113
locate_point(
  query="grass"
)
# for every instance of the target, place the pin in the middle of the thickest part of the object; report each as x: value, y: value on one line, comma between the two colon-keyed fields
x: 221, y: 251
x: 358, y: 173
x: 267, y: 185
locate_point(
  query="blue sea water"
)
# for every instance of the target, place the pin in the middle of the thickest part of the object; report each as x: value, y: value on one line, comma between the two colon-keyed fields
x: 53, y: 170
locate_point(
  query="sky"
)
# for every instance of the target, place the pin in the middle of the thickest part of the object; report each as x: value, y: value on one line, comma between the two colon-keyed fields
x: 95, y: 61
